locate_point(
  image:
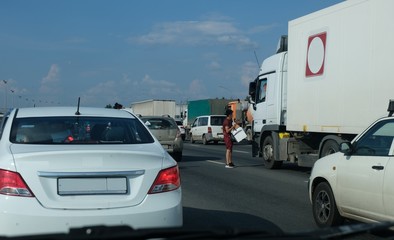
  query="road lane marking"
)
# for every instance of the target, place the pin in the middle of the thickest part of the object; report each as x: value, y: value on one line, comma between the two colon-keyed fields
x: 238, y: 151
x: 216, y: 162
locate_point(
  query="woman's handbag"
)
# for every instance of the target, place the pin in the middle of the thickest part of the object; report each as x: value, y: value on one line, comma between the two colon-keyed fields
x: 238, y: 134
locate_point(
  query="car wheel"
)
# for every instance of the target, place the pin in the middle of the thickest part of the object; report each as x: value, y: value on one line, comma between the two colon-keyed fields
x: 268, y: 153
x: 325, y: 211
x: 215, y: 142
x: 204, y: 140
x: 329, y: 147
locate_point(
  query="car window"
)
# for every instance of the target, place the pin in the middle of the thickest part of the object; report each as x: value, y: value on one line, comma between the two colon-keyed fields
x: 78, y: 130
x: 377, y: 141
x: 195, y: 123
x: 203, y: 121
x: 217, y: 120
x: 3, y: 122
x: 160, y: 123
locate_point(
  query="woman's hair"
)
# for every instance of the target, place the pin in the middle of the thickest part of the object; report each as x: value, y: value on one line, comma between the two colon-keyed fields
x: 229, y: 112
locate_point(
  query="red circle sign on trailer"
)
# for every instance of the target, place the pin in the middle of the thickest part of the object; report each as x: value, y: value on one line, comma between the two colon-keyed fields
x: 316, y: 55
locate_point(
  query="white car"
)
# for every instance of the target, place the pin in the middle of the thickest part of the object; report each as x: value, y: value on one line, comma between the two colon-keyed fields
x: 357, y: 182
x: 167, y: 133
x: 63, y: 168
x: 181, y: 129
x: 207, y: 129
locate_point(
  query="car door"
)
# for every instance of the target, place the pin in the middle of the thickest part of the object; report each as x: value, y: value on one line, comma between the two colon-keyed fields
x: 388, y: 186
x: 361, y: 175
x: 195, y: 128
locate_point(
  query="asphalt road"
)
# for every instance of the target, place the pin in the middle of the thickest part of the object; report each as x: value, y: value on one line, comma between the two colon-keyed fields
x: 248, y: 196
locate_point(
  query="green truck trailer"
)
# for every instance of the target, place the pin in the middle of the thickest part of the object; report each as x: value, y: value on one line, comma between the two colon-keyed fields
x: 202, y: 107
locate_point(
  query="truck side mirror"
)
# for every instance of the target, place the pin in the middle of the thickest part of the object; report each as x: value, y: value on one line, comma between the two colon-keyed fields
x: 252, y: 91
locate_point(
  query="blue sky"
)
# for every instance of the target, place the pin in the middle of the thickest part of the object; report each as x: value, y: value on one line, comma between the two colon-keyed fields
x: 54, y: 51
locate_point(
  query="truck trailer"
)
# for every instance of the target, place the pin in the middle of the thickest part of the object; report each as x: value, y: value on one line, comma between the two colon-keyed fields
x: 196, y: 108
x: 155, y: 107
x: 329, y: 79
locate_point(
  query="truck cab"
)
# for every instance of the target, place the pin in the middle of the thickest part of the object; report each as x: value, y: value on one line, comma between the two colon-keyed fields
x: 268, y: 96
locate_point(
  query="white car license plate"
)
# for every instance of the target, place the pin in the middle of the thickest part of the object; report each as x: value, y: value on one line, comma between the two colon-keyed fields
x: 91, y: 186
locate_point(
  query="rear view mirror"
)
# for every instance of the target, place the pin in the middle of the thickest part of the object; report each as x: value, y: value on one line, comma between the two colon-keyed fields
x: 252, y: 90
x: 346, y: 148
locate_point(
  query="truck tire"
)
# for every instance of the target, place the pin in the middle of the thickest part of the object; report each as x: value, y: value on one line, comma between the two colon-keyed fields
x: 325, y: 211
x: 329, y: 147
x: 268, y: 151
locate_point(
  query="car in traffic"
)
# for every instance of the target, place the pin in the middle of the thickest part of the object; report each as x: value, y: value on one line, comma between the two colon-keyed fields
x: 207, y: 129
x: 166, y: 131
x: 356, y: 182
x: 181, y: 129
x: 65, y: 168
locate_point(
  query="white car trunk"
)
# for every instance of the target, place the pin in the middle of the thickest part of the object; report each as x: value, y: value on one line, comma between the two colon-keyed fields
x: 92, y: 178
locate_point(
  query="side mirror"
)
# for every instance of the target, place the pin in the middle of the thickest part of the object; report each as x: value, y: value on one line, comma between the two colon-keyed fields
x: 252, y: 91
x: 346, y: 148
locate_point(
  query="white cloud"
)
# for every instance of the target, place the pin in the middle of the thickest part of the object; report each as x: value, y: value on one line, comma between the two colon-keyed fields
x: 249, y: 72
x: 52, y: 75
x: 214, y: 65
x: 208, y: 32
x: 262, y: 28
x: 50, y: 81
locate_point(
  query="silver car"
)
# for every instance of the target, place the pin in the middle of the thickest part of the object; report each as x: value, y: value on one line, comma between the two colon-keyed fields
x: 64, y: 168
x: 167, y: 133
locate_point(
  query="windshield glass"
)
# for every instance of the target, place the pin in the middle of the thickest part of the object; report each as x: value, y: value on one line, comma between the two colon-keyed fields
x: 159, y: 123
x: 79, y: 130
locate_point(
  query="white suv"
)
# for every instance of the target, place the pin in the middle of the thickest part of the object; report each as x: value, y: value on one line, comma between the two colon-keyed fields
x: 207, y: 129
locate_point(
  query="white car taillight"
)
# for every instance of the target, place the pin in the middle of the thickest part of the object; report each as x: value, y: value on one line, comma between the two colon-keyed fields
x: 11, y: 183
x: 167, y: 180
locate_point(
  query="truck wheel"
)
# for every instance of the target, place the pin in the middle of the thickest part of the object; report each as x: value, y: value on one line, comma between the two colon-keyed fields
x: 329, y: 147
x: 268, y: 152
x: 204, y: 140
x: 191, y: 139
x: 325, y: 211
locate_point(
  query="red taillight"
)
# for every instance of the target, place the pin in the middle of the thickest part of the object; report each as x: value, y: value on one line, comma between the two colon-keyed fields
x: 209, y: 130
x: 167, y: 180
x: 11, y: 183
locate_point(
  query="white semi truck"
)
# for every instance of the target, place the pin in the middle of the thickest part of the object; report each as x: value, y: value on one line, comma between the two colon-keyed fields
x: 335, y: 78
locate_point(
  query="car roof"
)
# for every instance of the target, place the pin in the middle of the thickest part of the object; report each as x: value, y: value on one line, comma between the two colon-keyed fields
x: 213, y: 116
x: 71, y: 111
x: 157, y: 117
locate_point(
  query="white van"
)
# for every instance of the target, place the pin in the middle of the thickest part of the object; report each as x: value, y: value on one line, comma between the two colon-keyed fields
x: 207, y: 129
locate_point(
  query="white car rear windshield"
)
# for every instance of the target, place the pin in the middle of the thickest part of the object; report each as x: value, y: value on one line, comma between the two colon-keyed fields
x: 79, y: 130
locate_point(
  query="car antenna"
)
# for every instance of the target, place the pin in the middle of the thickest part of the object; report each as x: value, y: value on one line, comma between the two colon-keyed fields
x: 77, y: 112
